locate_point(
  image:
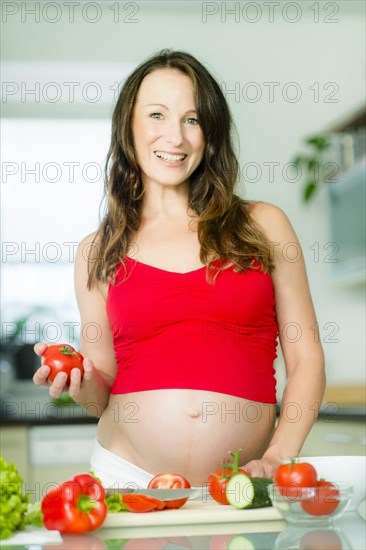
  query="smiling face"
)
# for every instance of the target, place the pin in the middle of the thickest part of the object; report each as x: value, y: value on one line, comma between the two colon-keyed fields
x: 168, y: 139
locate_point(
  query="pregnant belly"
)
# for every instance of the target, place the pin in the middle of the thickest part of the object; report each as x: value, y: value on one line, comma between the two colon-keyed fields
x: 185, y: 431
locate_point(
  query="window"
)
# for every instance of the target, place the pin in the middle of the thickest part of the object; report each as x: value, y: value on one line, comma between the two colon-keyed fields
x: 52, y: 186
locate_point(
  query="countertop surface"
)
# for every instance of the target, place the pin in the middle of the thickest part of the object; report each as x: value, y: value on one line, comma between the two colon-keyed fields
x: 347, y: 533
x: 27, y: 404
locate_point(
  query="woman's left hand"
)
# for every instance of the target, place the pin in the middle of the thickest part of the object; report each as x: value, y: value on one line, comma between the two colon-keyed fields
x: 261, y: 468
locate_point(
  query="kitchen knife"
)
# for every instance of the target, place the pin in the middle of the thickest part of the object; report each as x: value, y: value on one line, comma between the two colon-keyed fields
x: 160, y: 494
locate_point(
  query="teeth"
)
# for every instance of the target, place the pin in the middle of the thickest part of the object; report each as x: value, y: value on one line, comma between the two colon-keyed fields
x: 169, y: 158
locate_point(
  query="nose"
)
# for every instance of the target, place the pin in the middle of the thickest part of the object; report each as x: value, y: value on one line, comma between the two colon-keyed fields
x: 174, y: 134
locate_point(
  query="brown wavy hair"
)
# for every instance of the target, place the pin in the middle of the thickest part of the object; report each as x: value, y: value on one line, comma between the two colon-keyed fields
x: 226, y: 231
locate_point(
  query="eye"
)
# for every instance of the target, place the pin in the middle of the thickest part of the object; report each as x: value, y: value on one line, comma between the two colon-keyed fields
x: 157, y: 116
x: 192, y: 121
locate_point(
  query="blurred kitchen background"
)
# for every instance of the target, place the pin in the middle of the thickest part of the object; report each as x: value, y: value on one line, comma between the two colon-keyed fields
x: 294, y: 76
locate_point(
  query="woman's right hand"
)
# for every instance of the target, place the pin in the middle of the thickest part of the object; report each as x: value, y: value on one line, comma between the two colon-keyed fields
x: 59, y: 385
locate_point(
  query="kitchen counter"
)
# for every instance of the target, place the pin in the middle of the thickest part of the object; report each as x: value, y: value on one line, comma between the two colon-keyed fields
x: 348, y: 533
x: 30, y: 405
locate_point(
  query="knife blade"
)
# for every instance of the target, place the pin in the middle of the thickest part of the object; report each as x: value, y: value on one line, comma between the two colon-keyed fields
x: 160, y: 494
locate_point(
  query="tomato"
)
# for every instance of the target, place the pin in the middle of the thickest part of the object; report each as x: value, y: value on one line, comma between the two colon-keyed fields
x: 218, y: 481
x: 170, y: 481
x: 290, y: 477
x: 324, y: 502
x: 62, y: 358
x: 142, y: 503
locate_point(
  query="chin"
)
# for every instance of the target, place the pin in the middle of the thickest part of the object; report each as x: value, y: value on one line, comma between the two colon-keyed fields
x: 170, y: 182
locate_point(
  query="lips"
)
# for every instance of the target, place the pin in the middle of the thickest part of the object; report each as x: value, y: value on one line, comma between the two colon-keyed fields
x: 170, y: 157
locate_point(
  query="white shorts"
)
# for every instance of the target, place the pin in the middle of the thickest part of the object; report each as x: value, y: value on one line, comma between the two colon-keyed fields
x: 117, y: 473
x: 114, y: 471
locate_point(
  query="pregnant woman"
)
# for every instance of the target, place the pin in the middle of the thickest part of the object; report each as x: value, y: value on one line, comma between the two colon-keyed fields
x: 184, y: 291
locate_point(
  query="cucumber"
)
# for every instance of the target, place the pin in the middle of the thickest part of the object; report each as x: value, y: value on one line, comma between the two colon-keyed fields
x: 243, y: 491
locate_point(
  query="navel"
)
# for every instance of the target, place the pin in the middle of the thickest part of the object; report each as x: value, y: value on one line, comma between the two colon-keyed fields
x: 194, y: 413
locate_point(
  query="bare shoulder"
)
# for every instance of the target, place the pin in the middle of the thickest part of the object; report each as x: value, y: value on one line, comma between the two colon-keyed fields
x: 89, y: 238
x: 273, y: 221
x: 85, y: 253
x: 85, y: 247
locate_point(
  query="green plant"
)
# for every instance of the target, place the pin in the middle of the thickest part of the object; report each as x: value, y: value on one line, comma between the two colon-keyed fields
x: 314, y: 165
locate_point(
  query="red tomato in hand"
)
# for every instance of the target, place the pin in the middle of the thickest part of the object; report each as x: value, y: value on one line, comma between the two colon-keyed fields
x: 324, y: 501
x: 290, y: 477
x: 170, y: 481
x: 62, y: 358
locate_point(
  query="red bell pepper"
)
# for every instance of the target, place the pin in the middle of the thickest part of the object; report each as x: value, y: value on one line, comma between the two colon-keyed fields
x: 76, y: 506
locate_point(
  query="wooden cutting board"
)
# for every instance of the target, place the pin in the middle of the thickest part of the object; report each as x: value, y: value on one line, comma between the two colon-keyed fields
x: 194, y: 512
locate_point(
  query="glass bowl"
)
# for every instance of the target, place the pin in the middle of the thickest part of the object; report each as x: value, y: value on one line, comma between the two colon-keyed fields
x: 308, y: 505
x: 342, y: 469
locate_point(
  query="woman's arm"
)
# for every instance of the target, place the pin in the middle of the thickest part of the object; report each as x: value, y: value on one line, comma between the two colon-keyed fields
x: 302, y: 350
x: 96, y: 344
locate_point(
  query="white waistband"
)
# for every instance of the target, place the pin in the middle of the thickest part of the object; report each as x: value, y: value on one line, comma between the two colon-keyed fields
x: 114, y: 471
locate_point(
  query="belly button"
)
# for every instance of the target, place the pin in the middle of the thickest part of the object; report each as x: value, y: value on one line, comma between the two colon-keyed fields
x: 195, y: 413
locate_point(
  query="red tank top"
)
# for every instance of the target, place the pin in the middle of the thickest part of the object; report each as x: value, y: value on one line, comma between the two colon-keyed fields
x: 175, y: 330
